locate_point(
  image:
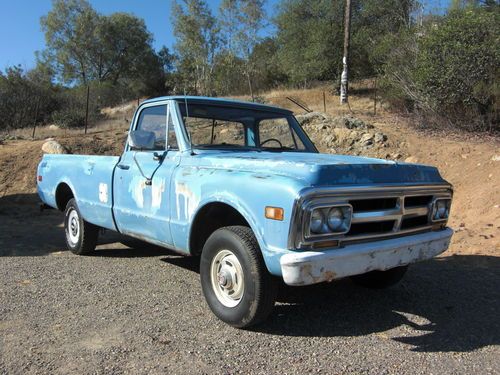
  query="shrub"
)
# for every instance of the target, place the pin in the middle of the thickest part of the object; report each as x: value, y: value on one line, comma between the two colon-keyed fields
x: 447, y: 71
x: 458, y: 67
x: 69, y: 118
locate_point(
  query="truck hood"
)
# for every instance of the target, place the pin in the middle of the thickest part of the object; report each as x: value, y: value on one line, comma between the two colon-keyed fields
x: 320, y: 169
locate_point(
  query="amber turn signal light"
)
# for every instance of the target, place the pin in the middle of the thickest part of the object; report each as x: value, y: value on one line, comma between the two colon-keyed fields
x: 275, y: 213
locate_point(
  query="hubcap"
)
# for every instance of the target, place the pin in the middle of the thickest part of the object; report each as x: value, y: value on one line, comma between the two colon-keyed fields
x: 227, y: 278
x: 73, y: 227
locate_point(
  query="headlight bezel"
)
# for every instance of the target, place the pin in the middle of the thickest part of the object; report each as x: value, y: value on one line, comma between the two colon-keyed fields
x: 434, y: 207
x: 347, y: 211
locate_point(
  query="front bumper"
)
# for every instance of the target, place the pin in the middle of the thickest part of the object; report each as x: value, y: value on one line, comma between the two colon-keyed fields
x: 310, y: 267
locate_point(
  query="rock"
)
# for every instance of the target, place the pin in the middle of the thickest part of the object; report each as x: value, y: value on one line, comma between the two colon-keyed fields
x: 380, y: 137
x: 396, y: 155
x: 53, y: 147
x: 495, y: 158
x: 366, y: 137
x: 54, y: 127
x: 310, y: 117
x: 411, y: 159
x: 353, y: 123
x: 342, y: 134
x: 330, y: 139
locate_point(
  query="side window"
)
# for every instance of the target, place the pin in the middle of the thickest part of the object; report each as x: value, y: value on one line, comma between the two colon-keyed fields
x: 154, y: 119
x: 172, y: 139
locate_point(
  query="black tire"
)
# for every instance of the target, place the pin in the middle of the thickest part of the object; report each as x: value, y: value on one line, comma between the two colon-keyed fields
x: 80, y: 236
x: 380, y: 279
x: 260, y: 287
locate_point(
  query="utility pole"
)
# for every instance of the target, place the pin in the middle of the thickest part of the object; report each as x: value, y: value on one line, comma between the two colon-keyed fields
x: 344, y: 86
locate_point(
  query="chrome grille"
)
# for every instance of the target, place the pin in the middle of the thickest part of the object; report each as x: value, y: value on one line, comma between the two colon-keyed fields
x: 378, y: 213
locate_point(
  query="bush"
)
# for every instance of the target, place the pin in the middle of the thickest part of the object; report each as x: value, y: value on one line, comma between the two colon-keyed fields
x: 459, y: 65
x: 448, y: 71
x: 69, y: 118
x: 25, y: 98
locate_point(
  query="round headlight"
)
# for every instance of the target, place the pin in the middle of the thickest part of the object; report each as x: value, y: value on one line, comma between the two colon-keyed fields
x: 441, y: 209
x: 317, y: 221
x: 336, y: 219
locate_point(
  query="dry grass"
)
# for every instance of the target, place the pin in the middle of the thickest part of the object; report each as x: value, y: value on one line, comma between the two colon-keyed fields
x: 361, y: 104
x: 361, y: 101
x: 116, y: 118
x: 44, y: 132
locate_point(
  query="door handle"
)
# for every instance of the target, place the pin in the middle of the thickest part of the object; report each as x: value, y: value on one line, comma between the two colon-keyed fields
x: 123, y: 166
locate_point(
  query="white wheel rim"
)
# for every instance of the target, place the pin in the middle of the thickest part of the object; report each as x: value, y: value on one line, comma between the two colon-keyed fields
x: 227, y: 278
x: 73, y: 227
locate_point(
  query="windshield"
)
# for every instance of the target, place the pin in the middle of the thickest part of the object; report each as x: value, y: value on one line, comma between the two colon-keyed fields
x: 215, y: 126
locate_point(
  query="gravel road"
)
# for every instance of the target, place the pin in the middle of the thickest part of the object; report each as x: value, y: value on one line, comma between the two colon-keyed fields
x: 133, y: 308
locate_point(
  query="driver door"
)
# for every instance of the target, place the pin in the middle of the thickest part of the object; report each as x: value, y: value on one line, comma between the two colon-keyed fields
x: 142, y: 180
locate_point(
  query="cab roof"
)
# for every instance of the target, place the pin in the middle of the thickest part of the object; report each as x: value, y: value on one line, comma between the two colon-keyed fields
x: 221, y: 102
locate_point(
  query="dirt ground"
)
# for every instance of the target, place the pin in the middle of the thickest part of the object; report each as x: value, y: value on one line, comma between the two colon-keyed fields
x: 134, y: 308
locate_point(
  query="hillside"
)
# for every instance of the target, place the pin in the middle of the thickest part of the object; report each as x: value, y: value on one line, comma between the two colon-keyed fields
x: 472, y: 165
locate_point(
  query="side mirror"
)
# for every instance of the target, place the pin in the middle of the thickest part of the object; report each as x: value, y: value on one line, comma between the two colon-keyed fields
x: 141, y: 140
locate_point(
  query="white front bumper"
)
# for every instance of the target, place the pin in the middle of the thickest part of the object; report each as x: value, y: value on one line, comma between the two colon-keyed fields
x: 310, y: 267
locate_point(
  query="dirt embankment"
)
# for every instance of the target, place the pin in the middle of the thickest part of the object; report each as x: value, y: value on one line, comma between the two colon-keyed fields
x: 471, y: 165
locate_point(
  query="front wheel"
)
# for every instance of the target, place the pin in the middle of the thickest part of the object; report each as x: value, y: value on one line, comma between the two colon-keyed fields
x: 380, y: 279
x: 237, y: 286
x: 81, y: 236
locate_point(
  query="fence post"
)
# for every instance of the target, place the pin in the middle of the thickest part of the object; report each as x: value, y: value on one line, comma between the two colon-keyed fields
x: 375, y: 96
x: 37, y: 108
x: 87, y: 109
x: 324, y: 102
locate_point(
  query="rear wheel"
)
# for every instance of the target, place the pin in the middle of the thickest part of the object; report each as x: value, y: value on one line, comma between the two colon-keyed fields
x: 81, y: 236
x: 237, y: 286
x: 380, y: 279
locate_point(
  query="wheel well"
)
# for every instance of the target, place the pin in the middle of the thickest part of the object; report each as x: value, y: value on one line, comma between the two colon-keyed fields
x: 63, y: 195
x: 211, y: 217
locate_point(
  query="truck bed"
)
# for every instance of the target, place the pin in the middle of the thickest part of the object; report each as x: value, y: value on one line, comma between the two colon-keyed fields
x: 90, y: 177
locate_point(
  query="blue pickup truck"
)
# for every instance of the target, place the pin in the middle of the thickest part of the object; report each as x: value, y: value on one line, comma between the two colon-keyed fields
x: 243, y: 187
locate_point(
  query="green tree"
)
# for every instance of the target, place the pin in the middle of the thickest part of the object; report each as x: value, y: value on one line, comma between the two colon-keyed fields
x: 241, y: 24
x: 84, y: 46
x: 251, y: 17
x: 458, y: 66
x: 69, y: 34
x: 375, y: 20
x: 267, y: 73
x: 309, y: 37
x: 197, y: 43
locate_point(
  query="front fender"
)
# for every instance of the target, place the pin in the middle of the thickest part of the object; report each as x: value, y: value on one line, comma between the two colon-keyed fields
x: 247, y: 193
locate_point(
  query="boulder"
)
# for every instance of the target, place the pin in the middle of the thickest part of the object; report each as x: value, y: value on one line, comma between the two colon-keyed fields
x: 380, y: 137
x: 53, y: 147
x: 311, y: 117
x: 411, y: 159
x: 366, y: 139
